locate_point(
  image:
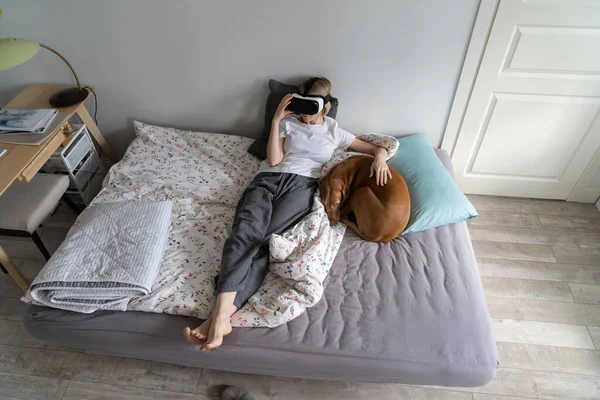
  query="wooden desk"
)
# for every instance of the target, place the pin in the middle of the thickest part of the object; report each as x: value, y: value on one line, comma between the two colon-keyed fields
x: 22, y: 162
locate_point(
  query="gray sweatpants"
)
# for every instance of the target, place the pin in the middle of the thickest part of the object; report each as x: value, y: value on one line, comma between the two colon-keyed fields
x: 272, y: 203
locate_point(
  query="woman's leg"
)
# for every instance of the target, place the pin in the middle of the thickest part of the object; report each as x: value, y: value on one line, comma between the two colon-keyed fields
x: 250, y: 224
x: 292, y: 202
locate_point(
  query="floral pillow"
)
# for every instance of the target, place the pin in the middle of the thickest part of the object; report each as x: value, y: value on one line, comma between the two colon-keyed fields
x: 387, y: 142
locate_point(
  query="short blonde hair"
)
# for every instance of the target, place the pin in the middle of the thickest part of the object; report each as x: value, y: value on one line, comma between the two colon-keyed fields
x: 321, y: 87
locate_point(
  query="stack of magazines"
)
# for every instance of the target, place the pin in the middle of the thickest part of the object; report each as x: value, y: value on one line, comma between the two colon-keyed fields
x: 29, y: 126
x: 24, y: 120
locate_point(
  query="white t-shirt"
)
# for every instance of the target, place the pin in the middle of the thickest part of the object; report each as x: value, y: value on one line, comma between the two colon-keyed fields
x: 308, y: 147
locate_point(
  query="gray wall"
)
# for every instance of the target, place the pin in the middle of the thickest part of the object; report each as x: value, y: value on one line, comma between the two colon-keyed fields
x: 204, y: 65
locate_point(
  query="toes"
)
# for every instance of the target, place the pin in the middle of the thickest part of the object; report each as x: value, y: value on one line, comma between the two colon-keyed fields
x: 211, y: 346
x: 190, y: 337
x: 213, y: 343
x: 199, y: 335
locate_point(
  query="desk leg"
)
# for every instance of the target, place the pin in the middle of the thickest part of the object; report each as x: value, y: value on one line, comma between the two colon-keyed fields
x: 13, y: 271
x: 86, y: 118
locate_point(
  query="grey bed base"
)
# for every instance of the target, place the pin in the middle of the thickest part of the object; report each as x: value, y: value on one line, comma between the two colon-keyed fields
x: 408, y: 311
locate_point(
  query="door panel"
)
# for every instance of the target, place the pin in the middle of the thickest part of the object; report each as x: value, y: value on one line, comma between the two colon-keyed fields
x: 548, y: 129
x: 532, y: 123
x: 568, y: 53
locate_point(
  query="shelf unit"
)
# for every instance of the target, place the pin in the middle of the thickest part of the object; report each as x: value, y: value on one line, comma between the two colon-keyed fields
x: 81, y: 162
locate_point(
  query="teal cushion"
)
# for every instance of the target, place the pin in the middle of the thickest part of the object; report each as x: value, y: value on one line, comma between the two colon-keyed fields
x: 435, y: 198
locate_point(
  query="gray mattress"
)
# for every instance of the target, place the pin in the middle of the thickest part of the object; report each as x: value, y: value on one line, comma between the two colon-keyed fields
x: 408, y: 311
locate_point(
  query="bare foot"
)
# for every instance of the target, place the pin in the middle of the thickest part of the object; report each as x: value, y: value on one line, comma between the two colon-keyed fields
x: 198, y: 335
x: 219, y: 328
x: 210, y: 334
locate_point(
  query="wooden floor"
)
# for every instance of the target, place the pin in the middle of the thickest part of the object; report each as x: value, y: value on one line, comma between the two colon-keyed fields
x: 540, y: 267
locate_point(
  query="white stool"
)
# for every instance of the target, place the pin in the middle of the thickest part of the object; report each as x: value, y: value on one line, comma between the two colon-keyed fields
x: 24, y: 206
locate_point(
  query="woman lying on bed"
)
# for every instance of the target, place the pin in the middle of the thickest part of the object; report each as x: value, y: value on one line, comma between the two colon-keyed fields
x: 280, y: 195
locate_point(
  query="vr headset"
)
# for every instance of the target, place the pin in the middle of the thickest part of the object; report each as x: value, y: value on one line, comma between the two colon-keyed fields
x: 308, y: 104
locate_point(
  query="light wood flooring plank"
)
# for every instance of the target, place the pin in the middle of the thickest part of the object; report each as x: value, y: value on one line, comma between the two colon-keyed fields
x: 583, y: 293
x: 520, y: 269
x: 269, y: 387
x: 481, y: 396
x: 533, y: 206
x: 488, y: 218
x: 577, y: 255
x: 570, y: 223
x: 526, y: 289
x: 513, y: 251
x: 40, y: 362
x: 549, y: 358
x: 595, y: 334
x: 97, y: 391
x: 26, y: 387
x: 99, y: 369
x: 535, y: 236
x: 12, y: 308
x: 137, y: 373
x: 541, y: 385
x: 14, y: 334
x: 543, y: 311
x: 542, y: 333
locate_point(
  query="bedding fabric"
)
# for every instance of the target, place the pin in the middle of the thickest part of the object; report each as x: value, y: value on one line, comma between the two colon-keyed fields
x: 301, y: 258
x: 110, y: 255
x: 157, y: 167
x: 408, y: 311
x: 203, y: 175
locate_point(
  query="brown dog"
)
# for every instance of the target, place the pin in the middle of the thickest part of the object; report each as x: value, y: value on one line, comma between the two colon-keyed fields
x: 375, y: 213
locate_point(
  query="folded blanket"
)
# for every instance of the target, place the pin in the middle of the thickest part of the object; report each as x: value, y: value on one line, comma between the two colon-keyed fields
x: 111, y: 254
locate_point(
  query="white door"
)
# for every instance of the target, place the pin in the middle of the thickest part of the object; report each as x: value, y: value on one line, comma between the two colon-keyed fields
x: 532, y: 124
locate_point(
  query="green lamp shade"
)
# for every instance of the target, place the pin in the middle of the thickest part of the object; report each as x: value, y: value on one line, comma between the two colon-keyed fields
x: 14, y: 52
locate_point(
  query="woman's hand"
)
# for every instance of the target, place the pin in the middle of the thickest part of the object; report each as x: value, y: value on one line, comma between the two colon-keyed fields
x: 281, y: 109
x: 380, y: 169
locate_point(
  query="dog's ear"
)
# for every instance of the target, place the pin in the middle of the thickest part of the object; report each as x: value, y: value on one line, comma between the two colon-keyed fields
x: 325, y: 189
x: 337, y: 191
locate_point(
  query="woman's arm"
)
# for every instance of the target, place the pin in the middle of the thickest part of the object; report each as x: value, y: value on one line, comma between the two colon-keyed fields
x: 379, y: 167
x: 275, y: 146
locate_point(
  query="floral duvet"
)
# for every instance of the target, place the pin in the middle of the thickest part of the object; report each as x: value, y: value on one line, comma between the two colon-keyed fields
x: 204, y: 174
